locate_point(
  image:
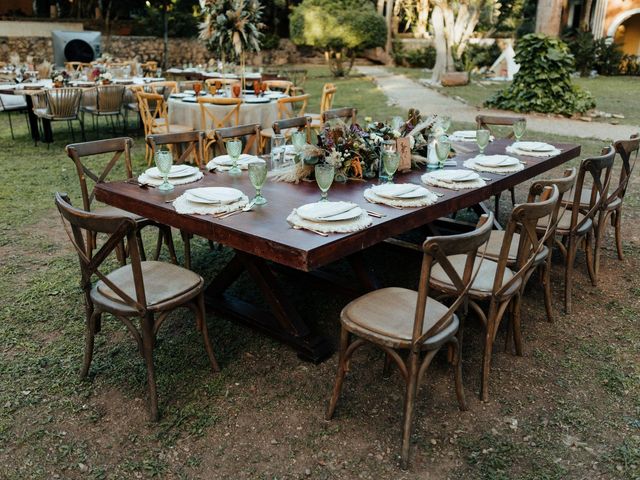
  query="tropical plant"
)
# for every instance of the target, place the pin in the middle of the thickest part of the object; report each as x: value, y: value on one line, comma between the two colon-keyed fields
x: 341, y: 28
x: 543, y: 83
x: 231, y: 28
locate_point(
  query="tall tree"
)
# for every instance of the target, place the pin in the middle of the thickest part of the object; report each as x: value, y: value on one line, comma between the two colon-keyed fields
x: 548, y: 17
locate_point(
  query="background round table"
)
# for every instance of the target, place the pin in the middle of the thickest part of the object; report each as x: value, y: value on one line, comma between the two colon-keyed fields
x: 188, y: 113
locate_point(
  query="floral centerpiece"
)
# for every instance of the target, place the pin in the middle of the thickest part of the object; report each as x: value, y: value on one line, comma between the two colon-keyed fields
x: 60, y: 78
x: 105, y: 78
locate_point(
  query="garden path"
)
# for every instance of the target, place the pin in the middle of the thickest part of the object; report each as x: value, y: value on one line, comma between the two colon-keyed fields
x: 408, y: 93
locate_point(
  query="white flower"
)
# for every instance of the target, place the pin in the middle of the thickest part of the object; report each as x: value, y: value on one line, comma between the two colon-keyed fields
x: 375, y: 138
x: 412, y: 141
x: 395, y: 133
x: 107, y: 76
x: 59, y: 78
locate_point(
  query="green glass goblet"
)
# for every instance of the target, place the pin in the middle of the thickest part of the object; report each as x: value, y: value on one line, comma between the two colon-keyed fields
x: 443, y: 147
x: 234, y: 149
x: 482, y: 139
x: 519, y: 127
x: 258, y: 175
x: 390, y: 162
x: 164, y: 160
x: 324, y: 178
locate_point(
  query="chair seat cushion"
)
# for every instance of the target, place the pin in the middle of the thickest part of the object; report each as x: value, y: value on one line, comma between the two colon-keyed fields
x: 389, y: 313
x: 494, y: 245
x: 482, y: 284
x: 173, y: 128
x: 163, y: 282
x: 565, y: 222
x: 585, y: 199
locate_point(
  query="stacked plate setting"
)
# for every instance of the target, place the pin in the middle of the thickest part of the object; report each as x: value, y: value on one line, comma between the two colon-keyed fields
x: 466, y: 136
x: 179, y: 175
x: 224, y: 162
x: 210, y: 200
x: 494, y: 163
x: 533, y: 149
x: 400, y: 195
x: 453, y: 179
x: 330, y: 217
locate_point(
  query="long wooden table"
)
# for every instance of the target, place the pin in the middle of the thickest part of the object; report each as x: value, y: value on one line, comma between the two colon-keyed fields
x: 263, y: 239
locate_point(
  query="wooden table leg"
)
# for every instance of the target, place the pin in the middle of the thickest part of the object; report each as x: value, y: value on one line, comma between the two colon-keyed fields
x: 33, y: 119
x: 282, y: 322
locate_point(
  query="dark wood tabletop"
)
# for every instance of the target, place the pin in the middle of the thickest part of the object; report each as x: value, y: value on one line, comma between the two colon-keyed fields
x: 264, y: 231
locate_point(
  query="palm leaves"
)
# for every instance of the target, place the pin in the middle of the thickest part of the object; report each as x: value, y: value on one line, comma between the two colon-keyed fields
x: 231, y: 27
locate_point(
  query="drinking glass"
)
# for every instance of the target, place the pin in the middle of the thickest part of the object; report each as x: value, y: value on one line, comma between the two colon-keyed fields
x: 390, y: 162
x: 258, y: 175
x: 197, y: 87
x: 396, y: 122
x: 298, y: 140
x: 443, y: 146
x: 324, y: 178
x: 278, y: 142
x: 445, y: 122
x: 482, y: 138
x: 164, y: 160
x: 519, y: 126
x: 234, y: 149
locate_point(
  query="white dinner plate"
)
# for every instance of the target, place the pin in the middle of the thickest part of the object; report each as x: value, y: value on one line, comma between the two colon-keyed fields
x: 454, y: 175
x: 400, y: 190
x: 179, y: 95
x: 329, y: 211
x: 257, y: 100
x: 496, y: 161
x: 177, y: 171
x: 227, y: 161
x: 533, y: 146
x: 468, y: 134
x: 213, y: 195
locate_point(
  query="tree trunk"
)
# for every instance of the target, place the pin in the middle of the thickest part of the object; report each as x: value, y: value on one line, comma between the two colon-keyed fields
x: 380, y: 7
x: 389, y: 17
x: 422, y: 22
x: 585, y: 20
x: 548, y: 17
x: 165, y: 21
x: 437, y: 21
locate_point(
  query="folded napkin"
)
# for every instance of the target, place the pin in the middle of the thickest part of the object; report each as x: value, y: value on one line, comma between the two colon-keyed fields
x: 214, y: 195
x: 322, y: 210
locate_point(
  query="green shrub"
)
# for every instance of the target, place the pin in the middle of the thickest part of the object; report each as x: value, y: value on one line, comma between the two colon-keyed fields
x: 418, y: 58
x: 477, y: 56
x: 341, y: 28
x: 543, y: 83
x: 584, y: 50
x: 608, y: 57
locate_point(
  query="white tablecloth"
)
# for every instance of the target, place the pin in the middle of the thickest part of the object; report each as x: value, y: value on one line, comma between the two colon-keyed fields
x: 186, y: 113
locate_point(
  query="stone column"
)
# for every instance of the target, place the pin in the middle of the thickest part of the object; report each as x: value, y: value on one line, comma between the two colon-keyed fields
x: 597, y: 22
x: 548, y: 17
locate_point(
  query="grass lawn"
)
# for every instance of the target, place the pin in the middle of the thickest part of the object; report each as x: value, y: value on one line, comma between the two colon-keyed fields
x: 568, y: 409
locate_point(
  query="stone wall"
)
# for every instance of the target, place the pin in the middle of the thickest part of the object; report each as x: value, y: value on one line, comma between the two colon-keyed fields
x: 181, y: 50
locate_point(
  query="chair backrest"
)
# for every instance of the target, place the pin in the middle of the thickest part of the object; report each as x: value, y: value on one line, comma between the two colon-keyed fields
x: 249, y: 134
x: 152, y: 107
x: 64, y: 102
x: 345, y: 114
x: 564, y: 185
x: 118, y: 229
x: 209, y: 120
x: 215, y: 84
x: 599, y: 171
x: 626, y: 149
x: 326, y: 100
x: 299, y: 123
x: 289, y: 107
x: 487, y: 121
x: 78, y: 152
x: 74, y: 66
x: 165, y: 88
x: 188, y: 84
x: 525, y: 218
x: 283, y: 86
x: 192, y: 144
x: 149, y: 68
x: 437, y: 249
x: 109, y: 98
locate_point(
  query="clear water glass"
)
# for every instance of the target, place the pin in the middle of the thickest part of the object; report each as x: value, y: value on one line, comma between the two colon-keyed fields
x: 164, y: 160
x: 519, y: 127
x: 324, y: 178
x: 258, y: 175
x: 482, y: 138
x: 445, y: 123
x: 234, y: 149
x: 443, y: 147
x: 390, y: 162
x: 387, y: 146
x: 278, y: 142
x: 396, y: 122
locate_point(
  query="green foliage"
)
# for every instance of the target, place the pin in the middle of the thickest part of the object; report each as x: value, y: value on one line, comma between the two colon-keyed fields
x: 543, y: 83
x: 232, y: 27
x: 477, y: 56
x: 600, y: 55
x: 341, y: 28
x: 182, y: 19
x: 418, y: 58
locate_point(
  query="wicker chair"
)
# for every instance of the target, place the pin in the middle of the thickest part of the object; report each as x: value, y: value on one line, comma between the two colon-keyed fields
x: 109, y: 100
x: 63, y: 105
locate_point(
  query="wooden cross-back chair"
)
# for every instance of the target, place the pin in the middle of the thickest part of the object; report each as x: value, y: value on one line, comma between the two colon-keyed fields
x: 344, y: 114
x: 165, y: 88
x: 611, y: 209
x: 577, y: 223
x: 139, y: 289
x: 497, y: 284
x: 149, y: 68
x: 92, y: 169
x: 288, y: 107
x: 188, y: 84
x: 210, y: 121
x: 215, y: 84
x: 485, y: 122
x: 248, y: 134
x: 283, y: 86
x: 326, y: 103
x: 76, y: 66
x: 399, y: 320
x: 300, y: 124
